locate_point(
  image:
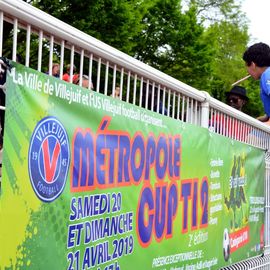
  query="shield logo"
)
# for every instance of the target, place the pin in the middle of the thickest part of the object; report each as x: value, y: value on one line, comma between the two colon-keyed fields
x: 48, y: 159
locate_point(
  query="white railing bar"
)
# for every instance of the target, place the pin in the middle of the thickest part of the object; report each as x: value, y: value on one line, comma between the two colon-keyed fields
x: 1, y: 31
x: 90, y: 70
x: 178, y: 106
x: 106, y: 78
x: 146, y: 95
x: 191, y: 110
x: 183, y: 108
x: 98, y: 74
x: 158, y: 99
x: 71, y: 64
x: 173, y: 105
x: 28, y: 39
x: 15, y: 33
x: 246, y: 131
x: 134, y: 89
x: 195, y: 111
x: 230, y: 126
x: 114, y: 79
x: 121, y: 83
x: 153, y: 96
x: 62, y: 55
x: 228, y: 122
x: 240, y: 131
x: 81, y: 67
x: 169, y: 103
x: 51, y: 54
x: 128, y: 86
x: 211, y: 116
x: 163, y: 100
x: 40, y: 44
x: 187, y: 110
x: 141, y: 90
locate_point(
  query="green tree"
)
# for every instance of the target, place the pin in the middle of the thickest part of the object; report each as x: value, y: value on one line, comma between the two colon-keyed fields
x: 228, y: 44
x: 114, y: 22
x: 212, y: 11
x: 171, y: 42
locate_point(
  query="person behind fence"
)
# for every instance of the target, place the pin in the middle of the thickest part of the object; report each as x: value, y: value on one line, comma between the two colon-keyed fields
x: 235, y: 98
x: 158, y: 107
x: 116, y: 93
x: 66, y: 76
x: 85, y: 81
x: 55, y: 70
x: 257, y: 59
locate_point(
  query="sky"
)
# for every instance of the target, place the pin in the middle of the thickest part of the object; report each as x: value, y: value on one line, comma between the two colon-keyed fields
x: 257, y: 11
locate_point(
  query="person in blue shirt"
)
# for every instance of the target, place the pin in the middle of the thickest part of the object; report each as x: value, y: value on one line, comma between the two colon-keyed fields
x: 257, y: 59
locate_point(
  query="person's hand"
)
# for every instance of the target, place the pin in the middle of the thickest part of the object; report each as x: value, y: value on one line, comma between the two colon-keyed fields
x: 263, y: 118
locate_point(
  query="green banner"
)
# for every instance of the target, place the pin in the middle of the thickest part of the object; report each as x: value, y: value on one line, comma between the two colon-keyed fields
x: 91, y: 182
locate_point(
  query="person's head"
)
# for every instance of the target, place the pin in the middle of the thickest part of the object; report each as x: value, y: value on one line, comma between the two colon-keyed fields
x: 85, y: 81
x: 257, y: 58
x: 117, y: 91
x: 18, y: 58
x: 69, y: 67
x: 237, y: 97
x: 55, y: 69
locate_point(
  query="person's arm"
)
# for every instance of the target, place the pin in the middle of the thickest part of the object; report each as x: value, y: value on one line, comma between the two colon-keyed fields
x: 263, y: 118
x: 265, y: 97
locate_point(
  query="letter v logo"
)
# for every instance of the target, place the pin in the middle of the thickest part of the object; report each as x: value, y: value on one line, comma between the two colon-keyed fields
x: 50, y: 161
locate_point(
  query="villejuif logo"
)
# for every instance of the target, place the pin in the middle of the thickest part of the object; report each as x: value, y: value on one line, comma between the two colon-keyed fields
x: 48, y: 159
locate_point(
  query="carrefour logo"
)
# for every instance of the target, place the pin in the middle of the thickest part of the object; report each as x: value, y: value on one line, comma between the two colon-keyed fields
x: 48, y: 159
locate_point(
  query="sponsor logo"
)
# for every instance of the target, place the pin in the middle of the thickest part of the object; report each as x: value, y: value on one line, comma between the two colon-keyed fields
x: 48, y: 159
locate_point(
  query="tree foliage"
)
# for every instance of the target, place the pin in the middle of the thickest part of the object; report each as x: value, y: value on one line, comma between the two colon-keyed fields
x: 212, y: 11
x: 116, y: 23
x: 171, y: 42
x: 228, y: 44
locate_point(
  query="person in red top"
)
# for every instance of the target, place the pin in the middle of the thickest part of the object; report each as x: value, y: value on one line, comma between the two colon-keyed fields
x: 66, y: 76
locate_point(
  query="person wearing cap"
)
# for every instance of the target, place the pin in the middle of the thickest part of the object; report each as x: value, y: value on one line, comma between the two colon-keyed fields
x: 86, y: 83
x: 237, y: 97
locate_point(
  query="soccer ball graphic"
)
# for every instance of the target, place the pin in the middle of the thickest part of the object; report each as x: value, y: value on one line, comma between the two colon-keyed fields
x: 226, y: 245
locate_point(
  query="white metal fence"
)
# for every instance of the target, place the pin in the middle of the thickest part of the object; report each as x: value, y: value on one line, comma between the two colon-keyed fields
x: 37, y: 33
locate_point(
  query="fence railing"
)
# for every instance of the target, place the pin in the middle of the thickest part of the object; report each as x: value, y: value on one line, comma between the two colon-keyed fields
x: 49, y: 40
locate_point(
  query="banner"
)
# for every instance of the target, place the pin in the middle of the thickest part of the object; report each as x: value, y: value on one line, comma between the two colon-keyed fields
x: 91, y: 182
